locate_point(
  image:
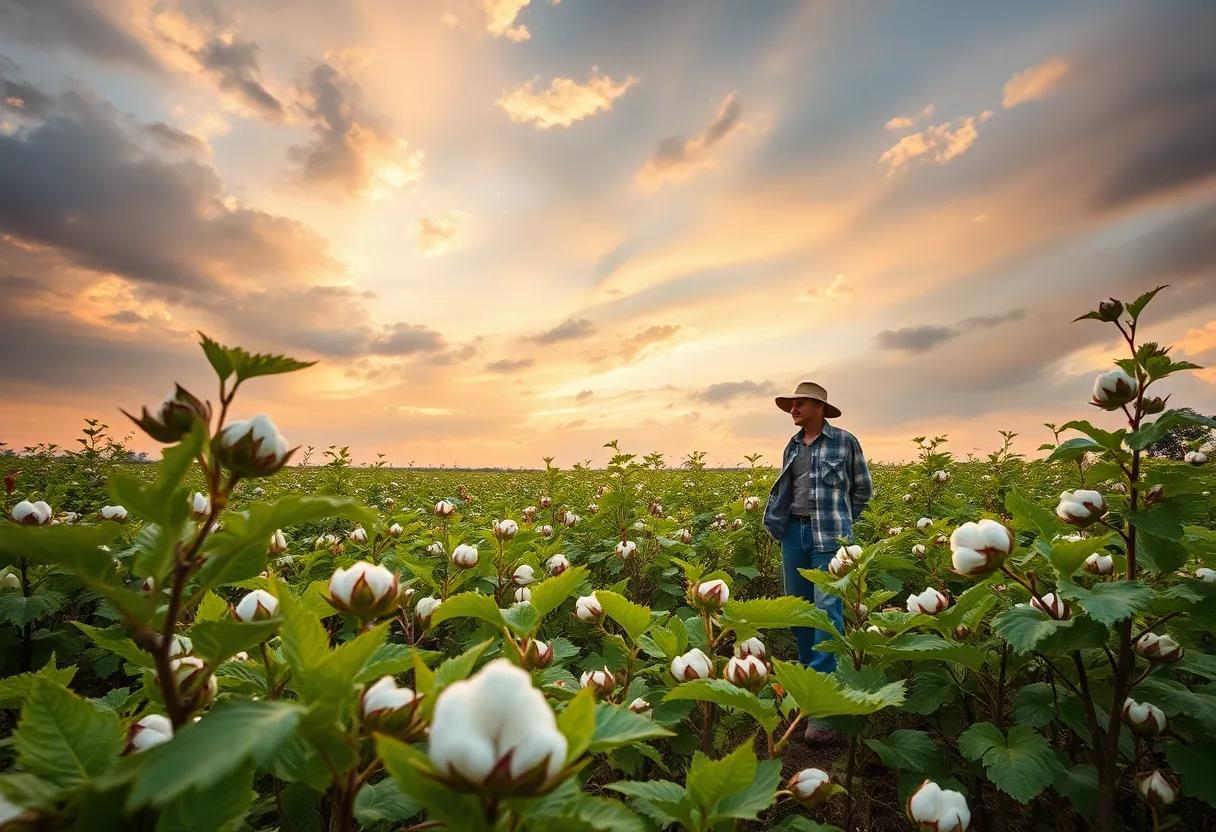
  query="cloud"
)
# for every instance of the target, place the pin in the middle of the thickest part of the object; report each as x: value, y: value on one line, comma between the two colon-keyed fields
x: 78, y: 24
x: 404, y: 339
x: 436, y: 236
x: 583, y: 395
x: 568, y: 330
x: 509, y: 365
x: 919, y: 339
x: 1035, y: 82
x: 942, y: 143
x: 904, y: 122
x: 565, y: 102
x: 170, y: 138
x: 353, y: 152
x: 835, y: 291
x: 725, y: 391
x: 19, y: 98
x: 234, y: 64
x: 646, y: 341
x: 500, y: 18
x: 679, y: 159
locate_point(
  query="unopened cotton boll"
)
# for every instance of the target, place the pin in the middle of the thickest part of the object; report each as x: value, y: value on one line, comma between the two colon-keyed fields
x: 940, y: 476
x: 495, y: 733
x: 979, y: 548
x: 1144, y: 718
x: 748, y: 672
x: 1159, y: 648
x: 384, y: 698
x: 443, y: 508
x: 537, y: 654
x: 986, y: 478
x: 639, y: 706
x: 1081, y: 507
x: 465, y: 556
x: 692, y: 665
x: 907, y: 498
x: 9, y: 580
x: 394, y: 530
x: 190, y: 673
x: 850, y: 553
x: 524, y: 575
x: 180, y: 646
x: 711, y: 595
x: 600, y: 681
x: 1157, y: 788
x: 151, y: 730
x: 626, y: 549
x: 751, y: 503
x: 546, y: 530
x: 365, y: 590
x: 924, y: 523
x: 505, y: 529
x: 929, y: 602
x: 426, y: 608
x: 895, y: 530
x: 523, y: 595
x: 200, y: 505
x: 587, y: 608
x: 257, y: 605
x: 1206, y: 575
x: 545, y: 502
x: 1053, y: 606
x: 278, y: 543
x: 435, y: 548
x: 934, y: 809
x: 682, y: 535
x: 838, y: 567
x: 556, y: 565
x: 357, y: 534
x: 253, y: 447
x: 919, y: 550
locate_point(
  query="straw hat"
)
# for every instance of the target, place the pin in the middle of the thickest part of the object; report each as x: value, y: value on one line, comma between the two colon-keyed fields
x: 809, y: 390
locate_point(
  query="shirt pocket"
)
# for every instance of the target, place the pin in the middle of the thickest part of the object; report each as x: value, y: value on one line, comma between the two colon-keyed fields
x: 833, y: 472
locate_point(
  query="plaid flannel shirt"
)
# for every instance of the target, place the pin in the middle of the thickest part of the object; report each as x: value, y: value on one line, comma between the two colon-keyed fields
x: 840, y: 487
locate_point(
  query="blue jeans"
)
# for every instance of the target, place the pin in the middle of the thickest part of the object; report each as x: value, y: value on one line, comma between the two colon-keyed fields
x: 797, y: 553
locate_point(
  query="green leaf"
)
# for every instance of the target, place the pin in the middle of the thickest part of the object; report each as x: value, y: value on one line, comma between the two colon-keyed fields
x: 249, y: 366
x: 469, y: 605
x: 633, y: 618
x: 616, y: 727
x: 1027, y: 629
x: 1074, y: 449
x: 932, y: 687
x: 1034, y: 705
x: 16, y: 689
x: 116, y: 640
x: 1077, y: 783
x: 822, y: 695
x: 1163, y: 519
x: 1029, y: 516
x: 1021, y: 766
x: 1167, y: 421
x: 724, y: 693
x: 217, y: 356
x: 711, y: 780
x: 1112, y: 442
x: 747, y: 618
x: 577, y: 723
x: 926, y: 647
x: 1137, y: 306
x: 758, y: 796
x: 383, y: 802
x: 905, y: 749
x: 452, y: 670
x: 217, y: 641
x: 549, y: 594
x: 411, y: 769
x: 305, y: 642
x: 211, y: 608
x: 662, y: 800
x: 1159, y: 554
x: 19, y: 610
x: 1067, y: 556
x: 203, y: 753
x: 1194, y: 764
x: 1109, y: 602
x: 222, y: 807
x: 63, y: 738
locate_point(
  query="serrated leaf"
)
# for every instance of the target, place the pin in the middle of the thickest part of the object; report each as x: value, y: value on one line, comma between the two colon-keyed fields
x: 932, y: 687
x: 1137, y: 306
x: 549, y: 594
x: 906, y: 749
x: 1027, y: 629
x: 1074, y: 449
x: 724, y: 693
x: 211, y: 608
x: 1028, y: 515
x: 383, y: 802
x: 616, y: 727
x: 1159, y: 554
x: 305, y: 642
x: 758, y: 796
x: 15, y: 689
x: 469, y: 605
x: 217, y: 356
x: 712, y: 780
x: 217, y: 641
x: 456, y: 810
x: 63, y: 738
x: 222, y: 807
x: 1163, y: 519
x: 1021, y: 765
x: 1109, y: 602
x: 1110, y: 440
x: 633, y: 618
x: 247, y: 366
x: 822, y: 695
x: 746, y: 618
x: 20, y: 610
x: 116, y: 640
x: 1067, y: 556
x: 1034, y: 705
x: 577, y: 723
x: 205, y: 752
x: 923, y: 646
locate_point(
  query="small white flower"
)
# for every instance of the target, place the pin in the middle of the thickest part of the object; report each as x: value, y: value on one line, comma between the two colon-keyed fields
x: 639, y: 526
x: 692, y: 665
x: 929, y: 602
x: 256, y: 606
x: 524, y: 575
x: 496, y: 732
x: 935, y: 809
x: 464, y: 555
x: 986, y: 478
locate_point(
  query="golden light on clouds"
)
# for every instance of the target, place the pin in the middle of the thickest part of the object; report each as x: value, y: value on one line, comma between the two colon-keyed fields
x: 1035, y: 82
x: 564, y: 102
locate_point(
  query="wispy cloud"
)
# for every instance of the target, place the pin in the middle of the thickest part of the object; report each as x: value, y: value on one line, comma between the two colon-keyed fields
x: 725, y: 391
x: 564, y: 102
x: 904, y: 122
x: 1035, y: 82
x: 919, y: 339
x: 501, y: 16
x: 509, y: 365
x: 436, y: 236
x: 940, y: 143
x: 679, y: 159
x: 568, y: 330
x: 834, y: 291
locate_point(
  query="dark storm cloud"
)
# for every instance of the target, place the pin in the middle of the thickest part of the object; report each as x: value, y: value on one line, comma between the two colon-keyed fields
x: 170, y: 138
x: 77, y: 24
x: 19, y: 98
x: 568, y: 330
x: 918, y: 339
x: 725, y: 391
x: 234, y: 65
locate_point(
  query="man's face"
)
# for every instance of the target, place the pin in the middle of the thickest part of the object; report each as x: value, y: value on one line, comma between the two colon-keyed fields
x: 805, y: 411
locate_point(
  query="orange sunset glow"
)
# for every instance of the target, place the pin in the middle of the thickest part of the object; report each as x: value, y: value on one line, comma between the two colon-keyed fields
x: 509, y: 229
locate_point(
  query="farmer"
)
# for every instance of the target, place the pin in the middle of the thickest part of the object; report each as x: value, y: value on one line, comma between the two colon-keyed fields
x: 823, y: 487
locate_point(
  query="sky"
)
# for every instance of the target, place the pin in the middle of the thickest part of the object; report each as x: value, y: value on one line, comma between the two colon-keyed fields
x: 510, y: 229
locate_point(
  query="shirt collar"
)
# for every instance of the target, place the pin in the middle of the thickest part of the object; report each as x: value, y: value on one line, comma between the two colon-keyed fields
x: 828, y: 431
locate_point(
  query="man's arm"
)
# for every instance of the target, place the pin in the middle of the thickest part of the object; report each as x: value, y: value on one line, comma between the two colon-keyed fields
x: 862, y: 489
